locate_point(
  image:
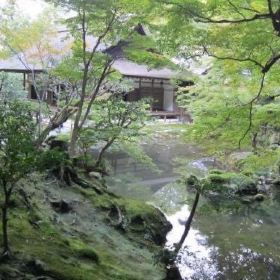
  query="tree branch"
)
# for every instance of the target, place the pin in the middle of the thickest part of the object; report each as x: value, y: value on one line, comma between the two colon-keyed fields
x: 248, y: 59
x: 105, y: 73
x: 251, y: 103
x: 203, y: 19
x: 270, y: 63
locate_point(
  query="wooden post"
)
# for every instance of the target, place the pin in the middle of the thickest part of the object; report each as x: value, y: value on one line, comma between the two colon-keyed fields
x: 24, y: 80
x: 140, y: 86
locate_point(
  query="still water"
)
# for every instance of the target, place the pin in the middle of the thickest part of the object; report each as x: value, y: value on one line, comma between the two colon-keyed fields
x: 230, y: 243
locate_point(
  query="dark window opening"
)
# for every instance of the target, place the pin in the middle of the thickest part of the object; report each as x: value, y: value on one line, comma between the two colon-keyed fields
x: 156, y: 94
x: 33, y: 94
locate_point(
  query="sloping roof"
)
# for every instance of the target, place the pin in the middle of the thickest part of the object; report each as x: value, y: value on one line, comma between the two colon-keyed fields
x: 14, y: 64
x: 62, y: 46
x: 129, y: 68
x: 59, y: 45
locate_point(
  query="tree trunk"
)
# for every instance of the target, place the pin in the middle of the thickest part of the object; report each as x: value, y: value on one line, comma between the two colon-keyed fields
x: 73, y: 142
x: 104, y: 149
x: 5, y: 206
x: 56, y: 122
x: 76, y: 128
x: 188, y: 223
x: 255, y: 141
x: 6, y: 249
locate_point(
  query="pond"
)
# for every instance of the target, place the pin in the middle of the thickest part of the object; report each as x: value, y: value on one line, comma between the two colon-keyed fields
x: 230, y: 243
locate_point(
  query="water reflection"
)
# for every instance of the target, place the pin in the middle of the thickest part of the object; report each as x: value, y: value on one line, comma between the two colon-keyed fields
x: 195, y: 258
x: 225, y: 242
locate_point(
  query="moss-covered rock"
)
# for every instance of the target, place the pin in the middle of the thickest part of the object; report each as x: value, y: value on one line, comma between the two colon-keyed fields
x: 230, y: 183
x: 88, y: 253
x: 81, y: 244
x: 192, y: 181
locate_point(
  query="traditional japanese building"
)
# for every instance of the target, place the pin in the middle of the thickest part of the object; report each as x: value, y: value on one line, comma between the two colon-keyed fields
x: 154, y: 83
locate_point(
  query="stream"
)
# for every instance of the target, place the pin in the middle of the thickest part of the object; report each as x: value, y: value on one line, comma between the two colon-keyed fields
x: 233, y: 243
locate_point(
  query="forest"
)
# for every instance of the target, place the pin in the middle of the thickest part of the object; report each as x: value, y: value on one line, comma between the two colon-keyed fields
x: 139, y: 140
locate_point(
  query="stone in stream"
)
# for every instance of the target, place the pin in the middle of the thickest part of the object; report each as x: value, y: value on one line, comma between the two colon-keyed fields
x: 230, y: 183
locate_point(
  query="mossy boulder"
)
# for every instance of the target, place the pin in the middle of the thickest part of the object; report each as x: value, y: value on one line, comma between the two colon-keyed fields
x: 229, y: 183
x: 144, y: 221
x: 88, y: 253
x: 192, y: 181
x: 247, y: 186
x: 81, y: 243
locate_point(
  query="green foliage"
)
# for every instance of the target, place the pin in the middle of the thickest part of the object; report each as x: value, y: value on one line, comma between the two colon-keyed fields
x: 220, y: 107
x: 117, y: 118
x: 53, y: 159
x: 245, y: 41
x: 143, y: 50
x: 29, y: 38
x: 11, y: 86
x: 134, y: 150
x: 83, y: 251
x: 18, y: 155
x: 262, y: 161
x: 113, y: 121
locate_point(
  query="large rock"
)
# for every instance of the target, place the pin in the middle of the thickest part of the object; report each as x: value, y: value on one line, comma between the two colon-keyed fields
x: 156, y: 226
x: 230, y: 184
x: 144, y: 222
x: 247, y: 187
x: 152, y: 226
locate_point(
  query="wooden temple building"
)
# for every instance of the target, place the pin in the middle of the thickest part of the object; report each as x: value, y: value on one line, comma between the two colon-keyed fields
x: 153, y: 83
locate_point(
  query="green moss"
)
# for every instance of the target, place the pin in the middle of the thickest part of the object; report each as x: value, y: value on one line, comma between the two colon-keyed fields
x: 223, y: 177
x: 216, y: 171
x: 88, y: 253
x: 90, y: 248
x: 229, y: 183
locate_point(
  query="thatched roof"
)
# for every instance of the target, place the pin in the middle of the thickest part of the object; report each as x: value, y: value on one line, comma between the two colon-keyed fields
x: 129, y: 68
x: 61, y: 46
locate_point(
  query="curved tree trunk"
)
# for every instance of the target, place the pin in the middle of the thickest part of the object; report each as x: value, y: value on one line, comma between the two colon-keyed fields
x: 103, y: 150
x: 188, y: 223
x: 56, y: 122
